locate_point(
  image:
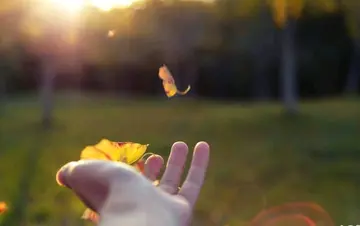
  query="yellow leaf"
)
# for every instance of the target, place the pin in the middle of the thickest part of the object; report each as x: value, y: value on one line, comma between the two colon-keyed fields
x: 127, y: 152
x: 169, y: 83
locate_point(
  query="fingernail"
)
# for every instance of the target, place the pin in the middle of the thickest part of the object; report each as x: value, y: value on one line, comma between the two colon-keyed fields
x: 63, y: 173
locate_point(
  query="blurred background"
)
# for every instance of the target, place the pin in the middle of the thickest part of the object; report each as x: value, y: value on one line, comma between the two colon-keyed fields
x: 275, y: 87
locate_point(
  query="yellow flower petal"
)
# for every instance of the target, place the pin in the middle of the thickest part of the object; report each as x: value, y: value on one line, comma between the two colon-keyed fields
x: 92, y: 152
x: 111, y: 149
x: 127, y: 152
x: 133, y: 151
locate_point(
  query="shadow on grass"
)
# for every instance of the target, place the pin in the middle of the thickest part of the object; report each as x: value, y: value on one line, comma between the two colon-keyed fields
x: 20, y: 202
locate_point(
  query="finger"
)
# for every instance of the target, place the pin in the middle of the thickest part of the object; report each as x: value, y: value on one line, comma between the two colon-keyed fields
x: 91, y: 179
x: 62, y: 174
x: 195, y: 178
x: 76, y: 177
x: 153, y: 166
x: 101, y: 171
x: 175, y: 166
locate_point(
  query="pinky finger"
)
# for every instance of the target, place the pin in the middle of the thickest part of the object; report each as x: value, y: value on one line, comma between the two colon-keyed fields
x: 153, y: 166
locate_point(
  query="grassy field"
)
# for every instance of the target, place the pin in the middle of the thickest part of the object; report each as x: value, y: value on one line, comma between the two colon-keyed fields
x: 259, y: 156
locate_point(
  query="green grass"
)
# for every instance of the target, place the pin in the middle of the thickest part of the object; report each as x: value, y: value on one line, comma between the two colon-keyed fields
x: 257, y: 153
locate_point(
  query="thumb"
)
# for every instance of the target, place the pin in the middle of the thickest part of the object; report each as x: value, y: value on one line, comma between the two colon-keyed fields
x: 91, y: 180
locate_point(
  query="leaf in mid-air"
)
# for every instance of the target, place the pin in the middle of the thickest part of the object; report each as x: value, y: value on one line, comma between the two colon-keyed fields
x: 169, y: 82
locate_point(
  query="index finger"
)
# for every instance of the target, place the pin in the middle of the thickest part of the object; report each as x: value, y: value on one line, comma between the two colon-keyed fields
x: 191, y: 187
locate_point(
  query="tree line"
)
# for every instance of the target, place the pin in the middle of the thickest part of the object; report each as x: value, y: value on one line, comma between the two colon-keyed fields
x: 250, y: 49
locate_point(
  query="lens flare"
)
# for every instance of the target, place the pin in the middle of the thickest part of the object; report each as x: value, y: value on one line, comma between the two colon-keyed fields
x: 295, y: 214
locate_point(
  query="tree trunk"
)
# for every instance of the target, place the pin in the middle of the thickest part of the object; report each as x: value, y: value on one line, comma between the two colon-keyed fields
x: 261, y: 86
x: 288, y: 68
x: 48, y: 74
x: 2, y: 93
x: 352, y: 80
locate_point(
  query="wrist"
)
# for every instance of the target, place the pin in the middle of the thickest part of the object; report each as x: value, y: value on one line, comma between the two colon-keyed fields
x: 127, y: 206
x: 137, y: 218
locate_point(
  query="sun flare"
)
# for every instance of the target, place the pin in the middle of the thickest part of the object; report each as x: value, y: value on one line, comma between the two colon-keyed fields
x: 69, y: 5
x: 105, y: 5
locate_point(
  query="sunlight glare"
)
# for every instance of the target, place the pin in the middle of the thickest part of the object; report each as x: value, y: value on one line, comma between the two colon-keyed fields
x: 70, y: 5
x: 107, y: 5
x: 74, y: 6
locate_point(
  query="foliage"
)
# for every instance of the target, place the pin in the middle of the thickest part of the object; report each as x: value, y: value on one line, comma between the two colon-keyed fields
x: 285, y: 9
x: 217, y: 41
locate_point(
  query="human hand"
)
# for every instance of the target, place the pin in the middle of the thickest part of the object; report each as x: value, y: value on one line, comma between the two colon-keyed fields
x: 123, y: 196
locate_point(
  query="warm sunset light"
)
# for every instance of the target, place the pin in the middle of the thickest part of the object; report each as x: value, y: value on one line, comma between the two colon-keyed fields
x: 74, y: 6
x: 107, y: 5
x: 70, y: 5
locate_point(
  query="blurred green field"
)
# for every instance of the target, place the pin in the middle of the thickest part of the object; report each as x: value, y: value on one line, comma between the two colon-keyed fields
x: 259, y: 156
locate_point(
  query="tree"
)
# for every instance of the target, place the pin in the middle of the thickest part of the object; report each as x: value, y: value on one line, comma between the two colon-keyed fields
x: 239, y: 29
x: 351, y: 9
x: 265, y: 51
x: 286, y: 13
x: 10, y: 16
x: 53, y: 40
